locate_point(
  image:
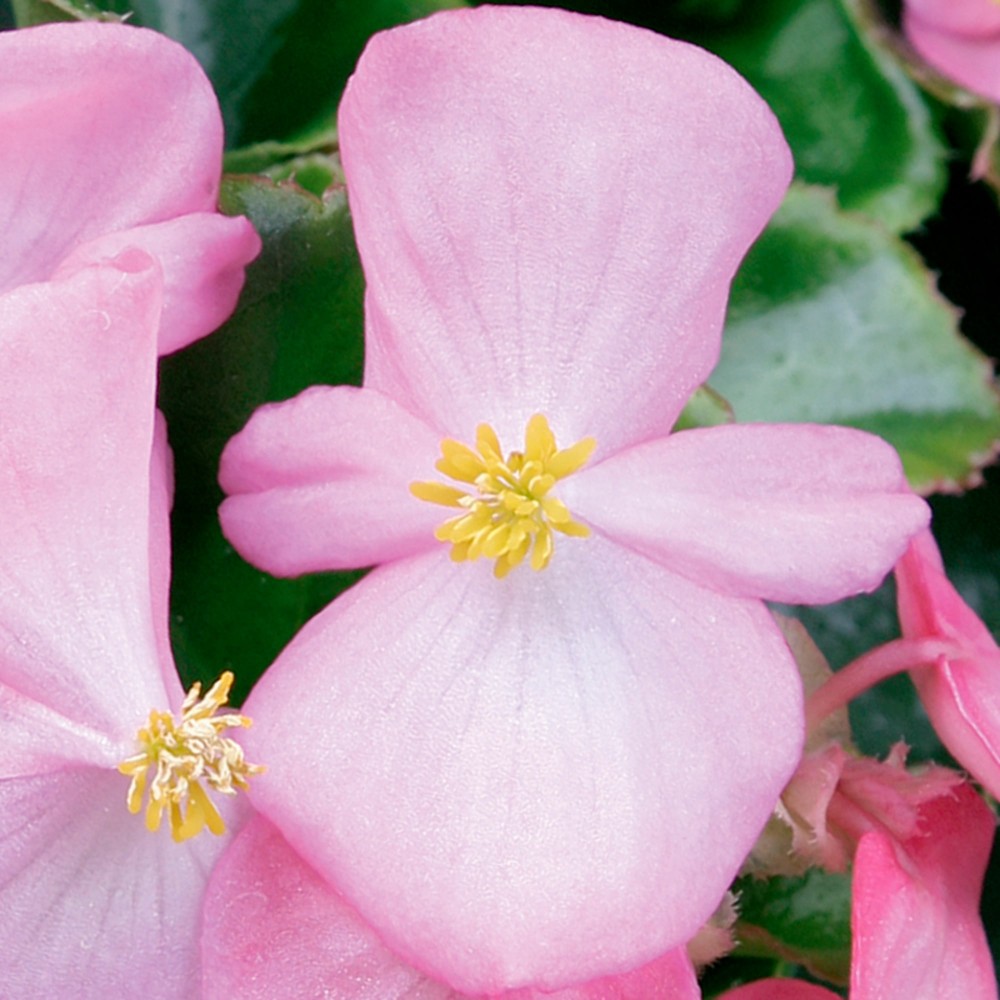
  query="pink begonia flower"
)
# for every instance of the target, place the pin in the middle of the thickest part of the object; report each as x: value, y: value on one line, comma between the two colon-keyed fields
x: 960, y: 39
x: 917, y: 934
x: 835, y: 798
x: 551, y: 777
x: 915, y: 923
x: 92, y: 904
x: 274, y: 928
x: 961, y: 691
x: 112, y: 138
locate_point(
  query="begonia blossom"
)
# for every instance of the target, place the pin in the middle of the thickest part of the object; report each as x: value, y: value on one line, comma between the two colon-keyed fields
x: 916, y: 930
x: 113, y: 139
x: 960, y: 689
x: 93, y: 902
x: 836, y: 797
x: 551, y: 776
x: 274, y: 928
x: 960, y: 39
x: 917, y: 933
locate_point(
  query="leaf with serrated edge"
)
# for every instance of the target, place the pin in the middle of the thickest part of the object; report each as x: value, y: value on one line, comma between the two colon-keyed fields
x: 832, y: 320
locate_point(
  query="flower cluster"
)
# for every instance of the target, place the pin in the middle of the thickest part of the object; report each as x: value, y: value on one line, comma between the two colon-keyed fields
x: 527, y: 755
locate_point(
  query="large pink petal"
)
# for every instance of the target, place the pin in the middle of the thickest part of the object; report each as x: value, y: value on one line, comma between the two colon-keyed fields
x: 971, y: 61
x: 274, y: 928
x: 800, y: 513
x: 322, y: 482
x: 77, y: 379
x: 550, y: 208
x: 915, y: 913
x: 539, y: 780
x: 203, y: 256
x: 962, y: 693
x: 105, y: 127
x: 91, y: 903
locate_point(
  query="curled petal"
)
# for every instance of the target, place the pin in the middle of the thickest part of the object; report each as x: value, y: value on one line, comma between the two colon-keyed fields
x: 203, y: 256
x: 962, y: 693
x: 277, y: 929
x: 105, y: 127
x: 77, y: 381
x: 529, y: 781
x: 323, y: 482
x: 801, y: 513
x: 917, y: 934
x: 531, y: 187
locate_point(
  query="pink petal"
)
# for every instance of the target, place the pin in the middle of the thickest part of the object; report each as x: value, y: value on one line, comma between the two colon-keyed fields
x: 970, y: 60
x: 203, y: 256
x: 531, y: 188
x: 91, y: 903
x: 322, y: 482
x: 915, y: 919
x: 161, y: 498
x: 530, y: 781
x: 960, y: 17
x: 961, y: 694
x: 77, y: 378
x: 779, y: 989
x: 105, y: 127
x: 275, y: 929
x: 799, y: 513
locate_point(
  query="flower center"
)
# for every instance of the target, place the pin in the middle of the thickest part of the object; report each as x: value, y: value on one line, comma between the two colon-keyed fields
x: 183, y: 757
x: 512, y: 510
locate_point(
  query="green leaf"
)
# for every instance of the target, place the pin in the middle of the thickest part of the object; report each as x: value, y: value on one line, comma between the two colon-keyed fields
x: 706, y: 408
x: 853, y: 118
x: 278, y: 66
x: 806, y: 920
x: 299, y: 322
x: 832, y: 320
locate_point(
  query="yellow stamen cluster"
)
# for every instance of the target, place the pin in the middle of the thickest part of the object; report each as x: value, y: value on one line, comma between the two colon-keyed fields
x: 181, y: 756
x: 513, y: 509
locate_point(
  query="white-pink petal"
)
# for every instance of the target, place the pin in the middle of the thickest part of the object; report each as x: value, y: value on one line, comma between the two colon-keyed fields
x: 799, y: 512
x: 322, y: 482
x: 77, y: 381
x: 539, y: 780
x: 203, y: 256
x: 535, y: 190
x: 104, y: 127
x: 90, y: 901
x: 917, y: 934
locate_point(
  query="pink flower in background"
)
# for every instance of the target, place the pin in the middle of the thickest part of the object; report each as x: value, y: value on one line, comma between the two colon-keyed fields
x: 961, y: 692
x: 112, y: 139
x: 91, y: 903
x: 960, y: 39
x: 276, y: 929
x: 836, y: 797
x: 551, y: 777
x: 916, y: 931
x: 917, y: 934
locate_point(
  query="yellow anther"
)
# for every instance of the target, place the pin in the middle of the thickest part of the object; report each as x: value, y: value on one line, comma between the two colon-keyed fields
x: 176, y: 756
x: 510, y: 510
